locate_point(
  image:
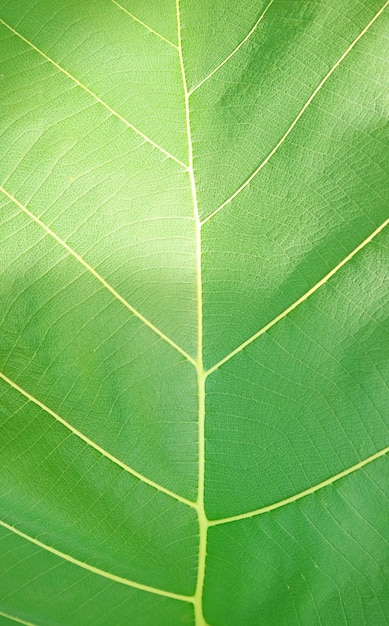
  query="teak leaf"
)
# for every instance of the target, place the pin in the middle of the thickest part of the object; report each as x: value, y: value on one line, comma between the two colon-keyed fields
x: 193, y: 386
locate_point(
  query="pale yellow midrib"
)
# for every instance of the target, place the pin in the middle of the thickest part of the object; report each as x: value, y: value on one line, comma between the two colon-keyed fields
x: 202, y: 518
x: 95, y: 96
x: 31, y: 398
x: 301, y: 494
x: 191, y: 599
x: 204, y: 522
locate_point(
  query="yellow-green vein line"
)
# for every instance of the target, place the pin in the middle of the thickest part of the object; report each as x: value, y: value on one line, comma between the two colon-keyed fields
x: 295, y: 304
x: 96, y: 97
x: 151, y: 30
x: 96, y: 570
x: 238, y: 47
x: 302, y: 494
x: 203, y: 526
x: 16, y: 619
x: 306, y: 105
x: 90, y: 269
x: 92, y: 444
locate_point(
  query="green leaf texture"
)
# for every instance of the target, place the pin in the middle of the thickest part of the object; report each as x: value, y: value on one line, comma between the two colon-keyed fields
x: 193, y: 388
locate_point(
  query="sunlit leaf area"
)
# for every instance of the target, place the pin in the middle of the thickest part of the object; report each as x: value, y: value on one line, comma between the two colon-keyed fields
x: 193, y: 312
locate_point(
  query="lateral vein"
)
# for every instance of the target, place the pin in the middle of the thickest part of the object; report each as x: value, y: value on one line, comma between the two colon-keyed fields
x: 302, y: 494
x: 306, y: 105
x: 16, y: 619
x: 238, y: 47
x: 96, y: 570
x: 295, y: 304
x: 91, y: 93
x: 97, y: 276
x: 151, y: 30
x: 94, y: 445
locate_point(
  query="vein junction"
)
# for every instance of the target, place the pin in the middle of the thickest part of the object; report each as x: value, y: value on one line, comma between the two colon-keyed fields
x: 302, y: 494
x: 95, y: 570
x: 300, y: 300
x: 151, y: 30
x: 93, y: 444
x: 201, y: 376
x: 295, y: 121
x: 204, y: 523
x: 94, y: 96
x: 90, y: 269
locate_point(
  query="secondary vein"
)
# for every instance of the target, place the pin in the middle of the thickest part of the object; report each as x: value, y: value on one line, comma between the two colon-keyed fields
x: 91, y: 93
x: 93, y: 444
x: 254, y: 28
x: 291, y: 127
x: 295, y: 304
x: 16, y: 619
x: 90, y: 269
x: 96, y: 570
x: 301, y: 494
x: 151, y: 30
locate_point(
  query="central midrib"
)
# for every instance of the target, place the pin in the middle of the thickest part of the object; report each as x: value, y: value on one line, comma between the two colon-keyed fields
x: 204, y: 524
x: 198, y: 362
x: 201, y: 374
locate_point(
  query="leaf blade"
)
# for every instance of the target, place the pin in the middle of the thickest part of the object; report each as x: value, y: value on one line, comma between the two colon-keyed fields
x: 193, y: 279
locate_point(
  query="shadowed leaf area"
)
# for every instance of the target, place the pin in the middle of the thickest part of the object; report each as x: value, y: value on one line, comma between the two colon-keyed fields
x: 193, y: 313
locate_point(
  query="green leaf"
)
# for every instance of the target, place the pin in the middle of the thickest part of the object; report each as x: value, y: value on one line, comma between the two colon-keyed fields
x: 193, y: 356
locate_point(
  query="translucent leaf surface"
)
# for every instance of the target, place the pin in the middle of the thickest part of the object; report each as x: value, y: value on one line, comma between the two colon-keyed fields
x: 193, y: 311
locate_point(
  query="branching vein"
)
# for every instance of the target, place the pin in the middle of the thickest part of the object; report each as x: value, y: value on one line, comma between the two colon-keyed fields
x: 238, y: 47
x: 300, y: 300
x: 291, y: 127
x: 97, y: 276
x: 302, y: 494
x: 151, y: 30
x: 203, y: 526
x: 15, y: 619
x: 96, y: 570
x: 92, y: 444
x: 96, y: 98
x: 204, y: 523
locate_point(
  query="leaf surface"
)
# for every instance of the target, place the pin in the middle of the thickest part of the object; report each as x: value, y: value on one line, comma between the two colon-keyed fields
x: 193, y: 276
